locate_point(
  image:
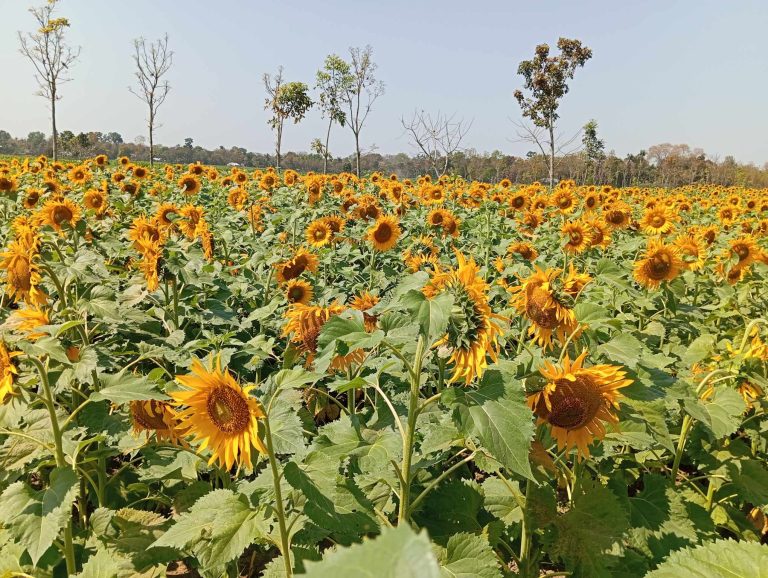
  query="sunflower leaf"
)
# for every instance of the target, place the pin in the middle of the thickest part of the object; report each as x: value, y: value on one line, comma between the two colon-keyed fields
x: 719, y: 559
x: 469, y: 556
x: 125, y: 387
x: 397, y: 553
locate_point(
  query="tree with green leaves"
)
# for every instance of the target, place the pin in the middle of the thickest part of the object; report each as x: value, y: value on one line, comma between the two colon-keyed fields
x: 361, y: 93
x: 546, y: 83
x: 49, y: 53
x: 284, y: 100
x: 333, y: 80
x: 594, y: 150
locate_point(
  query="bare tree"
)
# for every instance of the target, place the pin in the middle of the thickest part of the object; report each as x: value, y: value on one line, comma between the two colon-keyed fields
x: 361, y: 93
x: 152, y: 61
x: 552, y: 145
x: 438, y: 138
x: 51, y: 58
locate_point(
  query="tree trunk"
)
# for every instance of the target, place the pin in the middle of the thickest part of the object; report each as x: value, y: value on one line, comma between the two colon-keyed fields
x: 325, y: 152
x: 278, y: 144
x: 55, y: 136
x: 151, y: 141
x: 551, y: 155
x: 357, y: 154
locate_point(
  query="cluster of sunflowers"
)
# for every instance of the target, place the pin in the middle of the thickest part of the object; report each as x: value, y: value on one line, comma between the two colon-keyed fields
x: 308, y: 270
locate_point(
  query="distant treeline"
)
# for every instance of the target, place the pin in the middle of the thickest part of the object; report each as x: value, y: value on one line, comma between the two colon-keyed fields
x: 661, y: 165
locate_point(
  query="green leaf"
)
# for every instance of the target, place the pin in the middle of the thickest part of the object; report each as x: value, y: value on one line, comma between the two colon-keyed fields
x: 36, y: 517
x: 107, y: 564
x: 624, y: 348
x: 589, y: 528
x: 650, y: 507
x: 750, y: 478
x: 700, y: 348
x: 126, y: 387
x: 216, y: 529
x: 719, y: 559
x: 397, y: 553
x: 431, y: 314
x: 452, y: 507
x: 496, y: 413
x: 469, y: 556
x: 721, y: 414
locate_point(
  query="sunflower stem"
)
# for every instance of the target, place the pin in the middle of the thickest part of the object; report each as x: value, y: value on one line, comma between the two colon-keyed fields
x: 370, y: 268
x: 61, y: 462
x: 527, y: 569
x: 285, y: 547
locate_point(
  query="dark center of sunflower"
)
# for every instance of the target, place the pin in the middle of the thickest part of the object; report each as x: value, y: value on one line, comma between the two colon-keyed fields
x: 576, y: 238
x: 62, y: 213
x: 295, y: 293
x: 383, y: 233
x: 540, y: 309
x: 518, y: 202
x: 741, y: 250
x: 616, y: 217
x: 564, y: 202
x: 5, y: 184
x: 320, y: 234
x: 591, y: 202
x: 659, y: 266
x: 658, y: 221
x: 574, y: 403
x: 228, y: 410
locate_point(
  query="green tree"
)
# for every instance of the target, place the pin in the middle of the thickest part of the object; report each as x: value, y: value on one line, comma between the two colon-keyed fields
x: 284, y: 100
x: 47, y: 50
x: 594, y: 149
x: 333, y: 81
x: 546, y: 83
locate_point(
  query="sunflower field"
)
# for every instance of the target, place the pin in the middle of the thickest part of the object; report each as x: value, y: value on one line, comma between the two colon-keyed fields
x: 260, y: 373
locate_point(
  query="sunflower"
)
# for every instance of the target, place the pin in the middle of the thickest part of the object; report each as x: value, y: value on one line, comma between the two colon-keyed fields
x: 319, y: 233
x: 22, y: 274
x: 237, y: 198
x: 657, y: 221
x: 150, y: 265
x: 519, y: 200
x: 421, y: 252
x: 163, y: 215
x: 207, y: 240
x: 661, y: 263
x: 8, y: 184
x: 268, y: 181
x: 384, y: 233
x: 451, y: 225
x: 80, y: 175
x: 156, y: 418
x: 564, y: 200
x: 692, y: 252
x: 364, y: 302
x: 7, y: 371
x: 617, y: 215
x: 101, y: 160
x: 27, y: 321
x: 304, y: 323
x: 591, y: 200
x: 189, y: 184
x: 31, y: 199
x: 546, y: 301
x: 745, y: 249
x: 192, y: 220
x: 576, y: 401
x: 219, y: 413
x: 95, y: 200
x: 578, y: 236
x: 298, y: 291
x: 58, y: 212
x: 143, y: 227
x: 473, y: 328
x: 525, y: 250
x: 600, y: 234
x: 302, y: 261
x: 436, y: 217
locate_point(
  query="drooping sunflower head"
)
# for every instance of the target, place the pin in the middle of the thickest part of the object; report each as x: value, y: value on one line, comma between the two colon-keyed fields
x: 473, y: 328
x: 525, y: 250
x: 302, y: 261
x: 219, y: 413
x: 22, y: 274
x: 576, y: 401
x: 364, y: 302
x: 237, y: 198
x: 383, y: 235
x: 58, y: 213
x: 156, y: 418
x: 661, y: 263
x: 27, y: 321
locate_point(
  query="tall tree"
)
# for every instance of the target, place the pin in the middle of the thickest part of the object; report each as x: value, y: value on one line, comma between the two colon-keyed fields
x: 546, y: 81
x: 594, y: 149
x: 361, y: 93
x: 284, y: 100
x: 47, y: 50
x: 153, y: 61
x: 333, y: 80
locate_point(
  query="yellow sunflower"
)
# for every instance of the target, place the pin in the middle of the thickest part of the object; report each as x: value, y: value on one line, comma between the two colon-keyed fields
x: 191, y: 221
x: 237, y: 198
x: 298, y: 291
x: 745, y: 249
x: 525, y: 250
x: 58, y: 212
x: 319, y: 233
x: 302, y: 261
x: 577, y: 400
x: 692, y: 252
x: 577, y: 236
x: 657, y: 221
x: 473, y: 328
x: 364, y: 302
x: 95, y: 200
x: 156, y: 419
x: 661, y: 263
x: 384, y: 234
x: 219, y: 413
x: 27, y: 321
x: 7, y: 371
x: 22, y: 275
x: 189, y: 184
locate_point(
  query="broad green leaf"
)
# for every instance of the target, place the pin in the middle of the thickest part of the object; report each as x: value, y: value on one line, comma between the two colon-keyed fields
x: 469, y: 556
x: 719, y: 559
x: 126, y: 387
x: 750, y: 478
x: 624, y: 348
x: 721, y: 414
x: 396, y: 553
x: 216, y: 529
x: 432, y: 315
x: 452, y: 507
x: 700, y: 348
x: 496, y: 413
x: 650, y: 507
x: 37, y: 517
x: 107, y: 564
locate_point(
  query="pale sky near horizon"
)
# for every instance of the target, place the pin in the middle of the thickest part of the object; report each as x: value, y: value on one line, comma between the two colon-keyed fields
x: 693, y: 72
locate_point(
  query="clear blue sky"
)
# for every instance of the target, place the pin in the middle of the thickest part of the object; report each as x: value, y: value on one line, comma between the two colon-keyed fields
x: 692, y: 72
